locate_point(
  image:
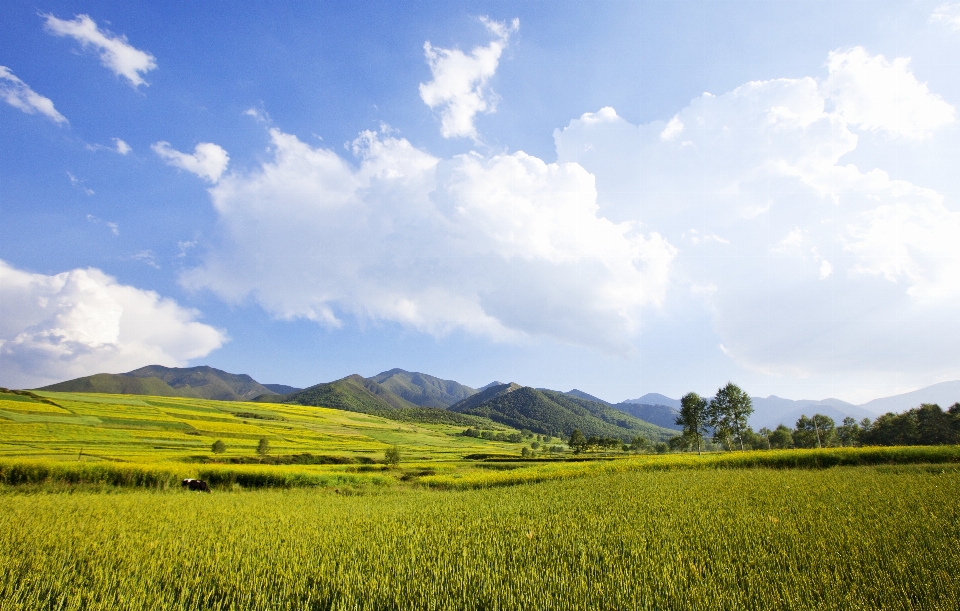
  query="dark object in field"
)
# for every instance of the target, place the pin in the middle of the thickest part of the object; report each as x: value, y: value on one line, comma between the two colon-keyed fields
x: 195, y: 484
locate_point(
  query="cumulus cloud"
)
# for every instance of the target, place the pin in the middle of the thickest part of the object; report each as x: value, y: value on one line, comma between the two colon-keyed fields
x: 18, y: 94
x: 83, y: 322
x: 208, y: 161
x: 506, y: 247
x: 827, y: 267
x: 459, y: 86
x: 115, y: 52
x: 875, y: 94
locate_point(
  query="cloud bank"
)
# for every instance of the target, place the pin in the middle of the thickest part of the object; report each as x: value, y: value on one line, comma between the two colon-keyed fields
x: 459, y: 86
x: 18, y: 94
x: 740, y: 205
x: 820, y: 267
x: 506, y: 247
x: 82, y: 322
x: 116, y: 53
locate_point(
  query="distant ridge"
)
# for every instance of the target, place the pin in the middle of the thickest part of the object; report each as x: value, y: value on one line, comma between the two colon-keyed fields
x: 654, y: 398
x: 661, y: 415
x: 282, y: 389
x: 422, y: 389
x: 490, y: 385
x: 582, y: 395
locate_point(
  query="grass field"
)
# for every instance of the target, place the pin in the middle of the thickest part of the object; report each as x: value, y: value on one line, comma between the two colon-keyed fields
x: 141, y: 429
x: 840, y: 538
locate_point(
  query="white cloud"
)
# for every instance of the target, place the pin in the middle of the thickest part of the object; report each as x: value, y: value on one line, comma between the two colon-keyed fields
x: 18, y: 94
x: 115, y: 52
x: 507, y: 247
x: 673, y: 129
x: 947, y: 13
x: 208, y: 161
x: 82, y: 322
x: 121, y: 147
x: 459, y: 85
x: 872, y: 93
x: 762, y: 169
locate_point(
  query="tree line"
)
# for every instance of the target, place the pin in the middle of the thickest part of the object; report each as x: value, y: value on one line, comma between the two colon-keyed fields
x: 724, y: 419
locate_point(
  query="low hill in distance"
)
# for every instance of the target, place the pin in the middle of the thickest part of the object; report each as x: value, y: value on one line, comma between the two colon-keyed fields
x: 655, y: 398
x: 282, y: 389
x: 661, y: 415
x: 422, y: 389
x: 198, y: 382
x: 556, y: 413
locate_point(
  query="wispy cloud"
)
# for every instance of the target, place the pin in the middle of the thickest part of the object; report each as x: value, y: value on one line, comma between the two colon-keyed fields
x: 947, y: 13
x: 18, y: 94
x: 76, y: 182
x: 115, y: 52
x: 114, y: 227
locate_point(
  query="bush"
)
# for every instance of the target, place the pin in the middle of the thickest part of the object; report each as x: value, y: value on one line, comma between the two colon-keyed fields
x: 263, y: 448
x: 392, y: 456
x: 219, y: 447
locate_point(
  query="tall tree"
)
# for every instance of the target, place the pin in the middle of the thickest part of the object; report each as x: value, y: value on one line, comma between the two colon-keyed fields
x: 577, y: 443
x: 693, y: 417
x: 728, y: 411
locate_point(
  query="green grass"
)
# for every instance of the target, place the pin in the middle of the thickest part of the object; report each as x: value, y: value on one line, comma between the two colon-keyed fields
x: 752, y: 538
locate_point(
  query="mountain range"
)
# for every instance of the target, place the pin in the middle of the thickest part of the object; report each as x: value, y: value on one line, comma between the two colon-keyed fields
x: 405, y: 395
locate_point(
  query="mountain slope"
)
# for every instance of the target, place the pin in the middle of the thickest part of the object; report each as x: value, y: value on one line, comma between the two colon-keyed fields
x: 207, y: 382
x: 422, y: 389
x: 196, y: 382
x: 353, y: 393
x: 489, y: 392
x: 661, y: 415
x: 118, y: 384
x: 555, y: 413
x: 579, y: 394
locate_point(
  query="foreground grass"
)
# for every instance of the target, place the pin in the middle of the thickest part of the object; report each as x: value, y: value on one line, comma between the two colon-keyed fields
x: 843, y: 538
x: 446, y: 475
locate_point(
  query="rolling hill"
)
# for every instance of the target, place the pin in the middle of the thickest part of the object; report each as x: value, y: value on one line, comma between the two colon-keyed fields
x: 197, y: 382
x: 556, y: 413
x: 422, y: 389
x: 353, y: 393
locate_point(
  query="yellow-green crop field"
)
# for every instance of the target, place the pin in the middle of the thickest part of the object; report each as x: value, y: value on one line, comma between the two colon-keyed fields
x: 881, y: 537
x: 110, y: 528
x: 144, y: 429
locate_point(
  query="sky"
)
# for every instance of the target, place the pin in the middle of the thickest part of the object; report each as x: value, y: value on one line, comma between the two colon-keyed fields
x: 619, y: 197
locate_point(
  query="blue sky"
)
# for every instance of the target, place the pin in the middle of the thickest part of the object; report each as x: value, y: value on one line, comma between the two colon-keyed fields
x: 619, y: 197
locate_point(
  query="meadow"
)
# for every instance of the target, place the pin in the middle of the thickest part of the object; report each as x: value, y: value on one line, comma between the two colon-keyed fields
x: 840, y: 538
x: 461, y: 523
